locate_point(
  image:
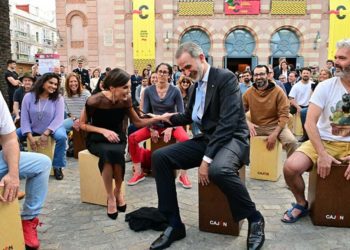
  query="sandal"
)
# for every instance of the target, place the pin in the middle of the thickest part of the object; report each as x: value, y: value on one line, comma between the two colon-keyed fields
x: 291, y: 219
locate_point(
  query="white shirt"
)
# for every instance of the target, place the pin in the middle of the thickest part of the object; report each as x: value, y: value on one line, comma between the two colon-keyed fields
x: 328, y: 96
x: 6, y: 123
x: 301, y: 93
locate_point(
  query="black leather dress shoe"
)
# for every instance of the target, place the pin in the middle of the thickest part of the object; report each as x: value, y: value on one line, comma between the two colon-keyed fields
x: 58, y: 173
x: 256, y: 234
x: 167, y: 237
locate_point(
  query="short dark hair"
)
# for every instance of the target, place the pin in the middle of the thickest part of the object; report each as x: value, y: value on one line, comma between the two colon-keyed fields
x: 62, y: 66
x: 331, y: 61
x: 305, y: 68
x: 294, y: 72
x: 247, y: 71
x: 10, y: 61
x: 108, y: 69
x: 116, y: 78
x: 262, y: 66
x: 38, y: 86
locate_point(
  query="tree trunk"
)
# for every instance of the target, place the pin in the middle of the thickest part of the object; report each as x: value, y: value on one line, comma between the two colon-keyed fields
x: 5, y: 43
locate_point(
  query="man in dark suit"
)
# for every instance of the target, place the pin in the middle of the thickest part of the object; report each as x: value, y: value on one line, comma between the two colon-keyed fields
x: 84, y: 75
x: 220, y: 150
x: 136, y: 80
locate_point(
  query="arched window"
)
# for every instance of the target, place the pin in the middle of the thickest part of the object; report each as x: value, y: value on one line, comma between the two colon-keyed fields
x: 285, y: 43
x: 199, y: 37
x: 240, y: 43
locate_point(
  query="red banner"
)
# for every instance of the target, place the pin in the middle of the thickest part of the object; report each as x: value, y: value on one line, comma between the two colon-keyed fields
x: 242, y: 7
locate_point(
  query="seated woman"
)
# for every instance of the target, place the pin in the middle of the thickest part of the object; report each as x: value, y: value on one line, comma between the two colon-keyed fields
x: 158, y: 99
x: 74, y: 100
x: 103, y: 118
x: 42, y: 114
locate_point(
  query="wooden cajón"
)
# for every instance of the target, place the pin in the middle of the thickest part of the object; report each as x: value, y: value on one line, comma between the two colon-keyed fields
x: 214, y: 210
x: 329, y: 198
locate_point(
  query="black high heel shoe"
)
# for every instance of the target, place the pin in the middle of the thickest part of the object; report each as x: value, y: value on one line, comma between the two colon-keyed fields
x: 112, y: 216
x: 122, y: 209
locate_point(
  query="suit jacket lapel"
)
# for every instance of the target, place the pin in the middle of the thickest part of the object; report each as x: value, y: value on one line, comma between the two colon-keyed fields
x: 210, y: 88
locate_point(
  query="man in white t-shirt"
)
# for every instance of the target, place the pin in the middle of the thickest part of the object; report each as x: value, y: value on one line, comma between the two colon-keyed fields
x: 33, y: 167
x: 327, y: 124
x: 299, y: 98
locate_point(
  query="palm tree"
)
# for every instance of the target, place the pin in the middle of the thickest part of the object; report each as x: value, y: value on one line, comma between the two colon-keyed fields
x: 5, y: 43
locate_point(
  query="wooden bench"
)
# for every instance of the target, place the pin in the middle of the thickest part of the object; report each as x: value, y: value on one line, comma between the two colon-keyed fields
x: 264, y: 164
x: 329, y: 198
x: 49, y: 150
x: 11, y: 232
x: 92, y: 189
x: 214, y: 210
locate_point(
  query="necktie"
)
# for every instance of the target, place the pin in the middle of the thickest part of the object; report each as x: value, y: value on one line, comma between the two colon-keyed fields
x: 198, y: 107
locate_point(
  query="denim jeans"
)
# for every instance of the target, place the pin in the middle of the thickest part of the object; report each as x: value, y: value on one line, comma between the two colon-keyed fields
x: 60, y: 137
x: 68, y: 124
x: 303, y: 114
x: 35, y: 168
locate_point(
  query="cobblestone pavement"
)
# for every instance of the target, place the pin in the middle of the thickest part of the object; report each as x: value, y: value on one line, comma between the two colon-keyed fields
x: 70, y: 224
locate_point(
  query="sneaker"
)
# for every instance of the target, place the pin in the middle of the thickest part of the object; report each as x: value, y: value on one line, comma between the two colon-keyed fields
x: 185, y: 182
x: 136, y: 179
x: 30, y: 234
x: 58, y: 173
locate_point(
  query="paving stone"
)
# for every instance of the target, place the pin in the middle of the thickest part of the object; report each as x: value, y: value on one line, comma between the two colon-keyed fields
x: 70, y: 224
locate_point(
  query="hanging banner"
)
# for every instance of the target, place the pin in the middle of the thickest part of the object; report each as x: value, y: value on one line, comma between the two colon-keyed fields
x: 339, y: 27
x: 143, y: 29
x: 242, y: 7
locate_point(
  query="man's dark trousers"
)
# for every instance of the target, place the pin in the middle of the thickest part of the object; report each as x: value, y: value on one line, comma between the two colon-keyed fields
x: 223, y: 171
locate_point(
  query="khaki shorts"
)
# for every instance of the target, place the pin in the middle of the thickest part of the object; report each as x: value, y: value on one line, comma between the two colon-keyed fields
x: 335, y: 149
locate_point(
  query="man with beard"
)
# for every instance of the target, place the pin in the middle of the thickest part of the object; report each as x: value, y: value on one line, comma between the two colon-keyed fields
x: 326, y: 145
x: 269, y: 111
x: 220, y: 150
x: 243, y: 86
x: 299, y: 98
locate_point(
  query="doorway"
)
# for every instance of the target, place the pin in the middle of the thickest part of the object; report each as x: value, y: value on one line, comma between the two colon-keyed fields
x: 238, y: 64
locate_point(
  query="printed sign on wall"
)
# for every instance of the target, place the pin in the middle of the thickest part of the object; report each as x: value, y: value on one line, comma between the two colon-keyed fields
x: 242, y: 7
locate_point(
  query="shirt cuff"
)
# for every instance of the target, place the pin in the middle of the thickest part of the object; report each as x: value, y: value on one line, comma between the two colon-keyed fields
x: 207, y: 159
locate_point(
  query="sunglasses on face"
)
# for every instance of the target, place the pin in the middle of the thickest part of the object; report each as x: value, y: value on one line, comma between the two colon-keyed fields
x: 185, y: 82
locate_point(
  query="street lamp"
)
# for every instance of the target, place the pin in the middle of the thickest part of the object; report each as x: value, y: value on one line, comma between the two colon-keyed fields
x: 167, y: 40
x: 317, y: 40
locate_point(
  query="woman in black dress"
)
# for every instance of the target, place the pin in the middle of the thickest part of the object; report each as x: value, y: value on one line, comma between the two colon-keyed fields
x: 104, y: 118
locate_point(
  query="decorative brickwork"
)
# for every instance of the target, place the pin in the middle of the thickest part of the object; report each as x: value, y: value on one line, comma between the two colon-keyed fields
x: 76, y: 13
x: 288, y: 7
x: 196, y: 8
x: 75, y: 1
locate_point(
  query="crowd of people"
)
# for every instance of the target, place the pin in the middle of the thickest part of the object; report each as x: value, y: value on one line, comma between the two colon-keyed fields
x: 118, y: 111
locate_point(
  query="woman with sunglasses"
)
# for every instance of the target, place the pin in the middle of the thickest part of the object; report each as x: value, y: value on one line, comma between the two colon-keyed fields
x: 42, y: 114
x: 184, y: 83
x: 158, y: 99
